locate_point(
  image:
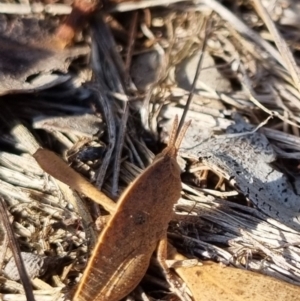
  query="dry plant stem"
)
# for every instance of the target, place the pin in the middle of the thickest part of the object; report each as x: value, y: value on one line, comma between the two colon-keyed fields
x: 120, y: 142
x: 242, y: 28
x: 247, y: 86
x: 107, y: 45
x: 220, y: 183
x: 236, y: 135
x: 23, y: 9
x: 280, y: 43
x: 16, y: 252
x: 117, y: 72
x: 4, y: 244
x: 131, y: 42
x: 104, y: 46
x: 204, y: 175
x: 147, y: 17
x: 26, y: 138
x: 270, y: 253
x: 111, y: 129
x: 57, y: 168
x: 207, y: 26
x: 124, y: 249
x: 58, y: 9
x: 129, y: 6
x: 82, y: 210
x: 135, y: 152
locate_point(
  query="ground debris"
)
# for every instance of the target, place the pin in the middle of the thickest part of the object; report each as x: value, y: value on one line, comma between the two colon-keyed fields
x: 103, y: 104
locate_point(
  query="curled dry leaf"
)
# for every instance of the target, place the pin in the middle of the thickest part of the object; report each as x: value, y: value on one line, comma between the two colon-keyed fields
x: 213, y: 282
x: 32, y: 58
x: 25, y: 68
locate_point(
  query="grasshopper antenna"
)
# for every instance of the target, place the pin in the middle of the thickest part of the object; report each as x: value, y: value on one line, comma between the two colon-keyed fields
x: 181, y: 134
x: 173, y: 135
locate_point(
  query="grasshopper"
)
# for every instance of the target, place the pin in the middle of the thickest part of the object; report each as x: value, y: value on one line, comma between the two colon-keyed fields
x: 137, y: 228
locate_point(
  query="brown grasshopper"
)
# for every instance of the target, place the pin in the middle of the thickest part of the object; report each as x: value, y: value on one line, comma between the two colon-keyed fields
x: 136, y: 229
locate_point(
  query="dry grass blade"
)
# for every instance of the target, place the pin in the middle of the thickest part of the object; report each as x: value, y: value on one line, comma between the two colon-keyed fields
x: 243, y: 28
x: 118, y: 77
x: 16, y: 252
x: 130, y: 6
x: 281, y: 44
x: 22, y: 9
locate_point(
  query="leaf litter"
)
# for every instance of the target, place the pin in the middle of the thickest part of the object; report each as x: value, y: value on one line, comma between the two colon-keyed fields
x: 240, y: 198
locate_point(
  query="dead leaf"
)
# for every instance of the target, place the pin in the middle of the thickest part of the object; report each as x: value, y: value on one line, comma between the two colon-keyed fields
x: 212, y: 282
x: 25, y: 68
x: 32, y: 56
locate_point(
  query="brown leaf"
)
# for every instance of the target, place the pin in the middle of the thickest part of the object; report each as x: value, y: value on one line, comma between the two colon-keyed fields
x: 32, y: 57
x: 26, y: 67
x: 212, y: 282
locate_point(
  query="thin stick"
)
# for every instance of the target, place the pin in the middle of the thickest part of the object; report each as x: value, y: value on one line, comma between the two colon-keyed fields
x: 191, y: 94
x: 118, y: 150
x: 131, y: 42
x: 135, y: 5
x: 123, y: 123
x: 36, y: 8
x: 16, y: 252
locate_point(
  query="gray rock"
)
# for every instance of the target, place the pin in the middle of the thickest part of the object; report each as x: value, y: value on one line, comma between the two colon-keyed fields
x: 209, y: 74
